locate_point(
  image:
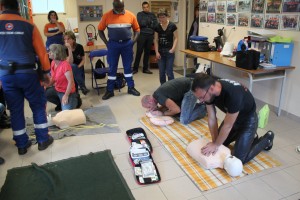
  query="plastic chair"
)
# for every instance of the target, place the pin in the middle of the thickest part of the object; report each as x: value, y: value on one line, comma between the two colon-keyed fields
x: 97, y: 71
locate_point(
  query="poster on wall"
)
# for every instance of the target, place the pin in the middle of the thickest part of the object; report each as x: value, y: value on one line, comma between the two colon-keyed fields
x: 291, y: 6
x: 221, y: 6
x: 272, y: 21
x: 258, y: 6
x: 244, y: 6
x: 220, y: 18
x: 273, y: 6
x: 289, y: 22
x: 203, y: 6
x: 231, y: 6
x: 231, y: 19
x: 243, y: 19
x: 211, y: 17
x: 202, y: 17
x: 211, y: 8
x: 257, y: 21
x: 90, y: 13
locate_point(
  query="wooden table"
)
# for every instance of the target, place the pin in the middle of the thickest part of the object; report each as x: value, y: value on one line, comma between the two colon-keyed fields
x: 260, y: 74
x: 88, y: 49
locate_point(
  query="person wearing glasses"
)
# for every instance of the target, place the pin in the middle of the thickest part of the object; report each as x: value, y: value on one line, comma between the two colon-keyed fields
x: 175, y: 97
x: 240, y: 122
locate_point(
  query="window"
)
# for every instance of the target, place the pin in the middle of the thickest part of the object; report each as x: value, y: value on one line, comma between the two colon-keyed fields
x: 44, y: 6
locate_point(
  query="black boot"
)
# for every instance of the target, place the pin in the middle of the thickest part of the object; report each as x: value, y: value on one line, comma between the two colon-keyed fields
x: 84, y: 90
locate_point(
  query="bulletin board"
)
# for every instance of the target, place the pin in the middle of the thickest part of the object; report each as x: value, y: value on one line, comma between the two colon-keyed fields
x: 90, y: 13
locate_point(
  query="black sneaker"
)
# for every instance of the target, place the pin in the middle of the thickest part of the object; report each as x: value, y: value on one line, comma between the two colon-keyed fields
x: 270, y: 136
x: 1, y: 160
x: 147, y: 71
x: 22, y: 151
x: 134, y: 71
x: 107, y: 95
x: 84, y: 90
x: 133, y: 91
x: 44, y: 145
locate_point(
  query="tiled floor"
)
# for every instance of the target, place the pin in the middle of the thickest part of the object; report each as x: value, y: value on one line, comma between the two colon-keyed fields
x: 277, y: 183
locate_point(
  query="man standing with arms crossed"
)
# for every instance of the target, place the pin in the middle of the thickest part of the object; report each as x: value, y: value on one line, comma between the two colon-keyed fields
x: 119, y: 23
x: 20, y: 42
x: 147, y: 21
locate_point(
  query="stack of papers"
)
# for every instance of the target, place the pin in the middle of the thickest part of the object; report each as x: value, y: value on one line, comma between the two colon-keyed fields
x: 267, y: 65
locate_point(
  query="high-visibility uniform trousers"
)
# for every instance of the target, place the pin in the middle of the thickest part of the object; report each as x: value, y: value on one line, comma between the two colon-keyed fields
x: 115, y: 49
x: 16, y: 87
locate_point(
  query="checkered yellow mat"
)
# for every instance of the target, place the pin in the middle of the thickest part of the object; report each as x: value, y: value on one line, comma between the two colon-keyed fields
x: 177, y: 136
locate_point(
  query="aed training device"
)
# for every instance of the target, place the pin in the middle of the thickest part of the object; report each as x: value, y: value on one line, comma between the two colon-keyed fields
x: 90, y: 36
x: 281, y: 54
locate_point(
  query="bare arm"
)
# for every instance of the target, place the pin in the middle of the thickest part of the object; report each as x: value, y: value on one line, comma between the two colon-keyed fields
x: 173, y: 108
x: 70, y: 58
x: 155, y: 41
x: 175, y: 41
x: 212, y: 121
x: 69, y: 76
x: 102, y: 36
x: 136, y: 36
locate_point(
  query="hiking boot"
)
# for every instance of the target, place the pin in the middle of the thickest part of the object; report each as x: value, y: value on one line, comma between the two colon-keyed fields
x: 270, y: 136
x: 44, y: 145
x: 134, y: 71
x: 147, y: 71
x: 107, y: 95
x: 133, y: 91
x: 84, y: 90
x: 23, y: 150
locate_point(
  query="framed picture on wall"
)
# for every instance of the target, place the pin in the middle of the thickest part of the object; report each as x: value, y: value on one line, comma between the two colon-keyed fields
x: 272, y: 21
x: 244, y: 6
x: 258, y: 6
x: 289, y: 22
x: 273, y: 6
x: 231, y: 19
x: 203, y: 5
x: 221, y: 6
x: 231, y: 6
x: 243, y: 19
x: 291, y: 6
x: 257, y: 21
x: 211, y: 8
x: 211, y: 17
x: 90, y: 13
x: 220, y: 18
x: 202, y: 17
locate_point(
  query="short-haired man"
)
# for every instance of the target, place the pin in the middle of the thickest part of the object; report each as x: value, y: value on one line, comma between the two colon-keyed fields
x: 175, y: 96
x: 119, y: 23
x: 240, y: 123
x: 147, y: 21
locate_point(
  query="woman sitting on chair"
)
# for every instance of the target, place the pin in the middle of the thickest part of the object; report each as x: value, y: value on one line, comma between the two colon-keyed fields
x: 76, y: 58
x: 62, y: 78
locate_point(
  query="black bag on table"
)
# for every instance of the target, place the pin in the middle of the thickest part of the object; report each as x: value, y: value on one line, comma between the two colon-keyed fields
x: 198, y: 43
x: 247, y: 59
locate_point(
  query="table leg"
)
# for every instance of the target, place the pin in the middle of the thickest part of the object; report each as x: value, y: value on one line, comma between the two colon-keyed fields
x: 281, y: 93
x: 185, y: 65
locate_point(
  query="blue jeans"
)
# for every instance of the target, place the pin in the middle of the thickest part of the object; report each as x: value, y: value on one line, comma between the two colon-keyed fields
x: 79, y: 76
x: 72, y: 101
x: 190, y: 109
x: 165, y: 64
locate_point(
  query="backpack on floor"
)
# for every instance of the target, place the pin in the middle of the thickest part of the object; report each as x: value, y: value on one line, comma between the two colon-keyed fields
x: 120, y: 81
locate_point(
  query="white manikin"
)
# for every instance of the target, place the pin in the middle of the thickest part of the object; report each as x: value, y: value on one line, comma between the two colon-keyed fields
x: 67, y: 118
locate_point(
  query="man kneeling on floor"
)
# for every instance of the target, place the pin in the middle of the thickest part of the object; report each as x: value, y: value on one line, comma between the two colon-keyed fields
x: 174, y: 97
x: 240, y: 123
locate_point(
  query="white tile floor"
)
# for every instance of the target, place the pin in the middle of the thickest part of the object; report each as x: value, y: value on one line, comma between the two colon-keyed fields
x: 278, y: 183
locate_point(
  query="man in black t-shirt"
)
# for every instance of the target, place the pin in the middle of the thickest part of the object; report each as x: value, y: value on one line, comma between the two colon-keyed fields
x: 240, y: 122
x: 176, y: 97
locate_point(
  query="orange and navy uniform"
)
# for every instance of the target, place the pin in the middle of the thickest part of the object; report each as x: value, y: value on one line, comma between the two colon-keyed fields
x: 21, y: 42
x: 55, y: 39
x: 119, y: 25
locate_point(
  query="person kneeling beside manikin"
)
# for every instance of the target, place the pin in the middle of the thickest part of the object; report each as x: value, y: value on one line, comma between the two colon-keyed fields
x: 67, y: 118
x: 222, y: 158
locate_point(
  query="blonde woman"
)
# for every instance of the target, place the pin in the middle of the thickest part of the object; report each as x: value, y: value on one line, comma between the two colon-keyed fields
x: 76, y: 58
x: 62, y: 79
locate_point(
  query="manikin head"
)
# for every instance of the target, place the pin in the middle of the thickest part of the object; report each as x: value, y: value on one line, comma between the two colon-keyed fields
x: 149, y: 102
x: 233, y: 166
